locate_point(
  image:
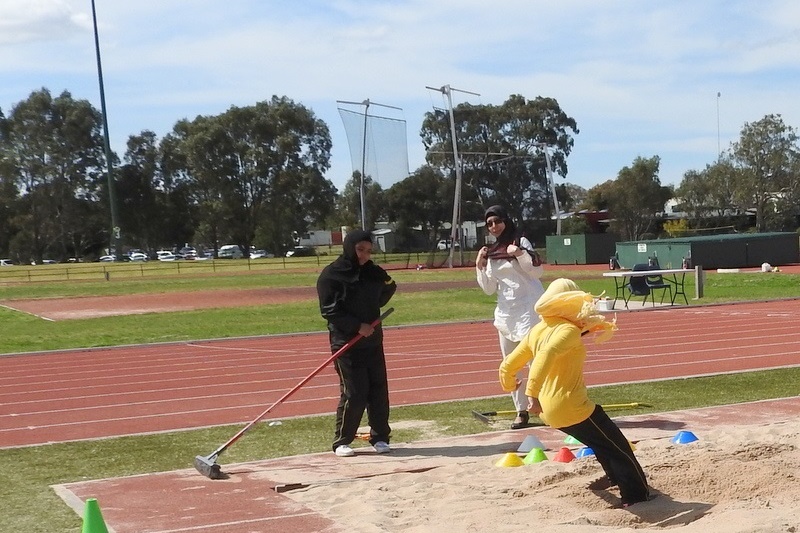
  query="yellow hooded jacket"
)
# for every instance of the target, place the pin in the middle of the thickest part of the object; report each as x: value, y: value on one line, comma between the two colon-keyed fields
x: 556, y: 353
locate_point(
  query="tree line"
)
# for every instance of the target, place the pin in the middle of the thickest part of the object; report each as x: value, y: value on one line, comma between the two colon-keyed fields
x: 255, y: 176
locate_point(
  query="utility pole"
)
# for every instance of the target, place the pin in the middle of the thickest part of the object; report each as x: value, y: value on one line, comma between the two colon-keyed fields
x: 456, y: 224
x: 115, y: 230
x: 366, y: 103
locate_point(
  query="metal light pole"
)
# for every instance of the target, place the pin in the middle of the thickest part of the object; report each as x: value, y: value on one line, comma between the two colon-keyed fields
x: 719, y: 149
x: 115, y: 231
x: 456, y: 224
x: 364, y: 168
x: 553, y: 189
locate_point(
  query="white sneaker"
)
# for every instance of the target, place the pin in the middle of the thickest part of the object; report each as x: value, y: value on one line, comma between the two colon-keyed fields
x: 344, y: 451
x: 381, y: 447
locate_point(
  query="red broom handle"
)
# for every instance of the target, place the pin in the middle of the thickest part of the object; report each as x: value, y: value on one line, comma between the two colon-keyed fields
x: 305, y: 380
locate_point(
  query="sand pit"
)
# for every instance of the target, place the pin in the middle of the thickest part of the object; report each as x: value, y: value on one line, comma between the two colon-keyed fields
x: 735, y: 479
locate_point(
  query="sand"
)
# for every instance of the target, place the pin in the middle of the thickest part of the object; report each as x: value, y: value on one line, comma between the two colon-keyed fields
x: 733, y: 479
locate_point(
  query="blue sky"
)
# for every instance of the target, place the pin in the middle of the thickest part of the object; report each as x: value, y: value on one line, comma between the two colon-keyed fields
x: 640, y: 78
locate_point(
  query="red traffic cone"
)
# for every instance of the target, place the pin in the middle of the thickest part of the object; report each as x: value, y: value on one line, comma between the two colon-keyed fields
x: 93, y: 518
x: 564, y: 455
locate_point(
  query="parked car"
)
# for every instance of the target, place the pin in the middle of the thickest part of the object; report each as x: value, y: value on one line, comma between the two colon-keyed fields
x: 6, y: 262
x: 163, y: 255
x: 301, y: 251
x: 444, y: 244
x: 187, y: 252
x: 258, y: 254
x: 107, y: 258
x: 230, y: 251
x: 138, y: 256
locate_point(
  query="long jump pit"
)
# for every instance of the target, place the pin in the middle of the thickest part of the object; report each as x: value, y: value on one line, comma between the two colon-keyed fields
x: 729, y: 468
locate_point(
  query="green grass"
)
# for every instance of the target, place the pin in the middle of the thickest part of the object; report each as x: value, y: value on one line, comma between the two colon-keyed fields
x: 31, y: 505
x: 24, y: 333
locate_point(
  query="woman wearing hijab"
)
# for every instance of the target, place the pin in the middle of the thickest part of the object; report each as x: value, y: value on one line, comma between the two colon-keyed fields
x: 511, y: 269
x: 556, y: 387
x: 351, y: 292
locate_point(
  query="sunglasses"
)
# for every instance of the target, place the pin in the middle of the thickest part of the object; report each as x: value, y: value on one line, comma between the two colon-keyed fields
x: 494, y: 221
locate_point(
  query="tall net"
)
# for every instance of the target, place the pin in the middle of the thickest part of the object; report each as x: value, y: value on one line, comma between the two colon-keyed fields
x: 382, y: 152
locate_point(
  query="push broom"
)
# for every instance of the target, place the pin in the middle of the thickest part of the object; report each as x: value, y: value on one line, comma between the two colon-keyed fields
x: 207, y: 465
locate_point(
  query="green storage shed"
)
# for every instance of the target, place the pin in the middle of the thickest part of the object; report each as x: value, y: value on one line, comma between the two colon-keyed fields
x: 738, y: 250
x: 580, y: 249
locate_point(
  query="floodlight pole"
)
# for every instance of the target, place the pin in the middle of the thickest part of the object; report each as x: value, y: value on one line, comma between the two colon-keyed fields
x: 719, y: 149
x: 115, y: 230
x: 364, y: 168
x: 366, y: 103
x: 456, y: 224
x: 553, y: 188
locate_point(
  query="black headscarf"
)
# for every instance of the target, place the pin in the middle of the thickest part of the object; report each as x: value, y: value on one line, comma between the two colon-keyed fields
x: 346, y: 267
x: 508, y: 236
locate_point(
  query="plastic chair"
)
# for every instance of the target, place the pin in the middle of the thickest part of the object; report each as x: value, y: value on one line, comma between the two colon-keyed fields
x: 637, y: 285
x: 656, y: 282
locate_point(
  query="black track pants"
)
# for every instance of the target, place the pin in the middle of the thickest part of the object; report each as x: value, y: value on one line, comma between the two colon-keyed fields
x: 613, y: 452
x: 362, y: 386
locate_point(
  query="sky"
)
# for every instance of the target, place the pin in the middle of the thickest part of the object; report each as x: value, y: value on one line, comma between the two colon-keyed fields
x: 676, y: 79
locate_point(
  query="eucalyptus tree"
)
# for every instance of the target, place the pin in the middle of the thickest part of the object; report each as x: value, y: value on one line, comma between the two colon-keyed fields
x: 710, y: 194
x: 767, y: 154
x: 636, y: 196
x: 189, y: 190
x: 348, y: 202
x: 254, y: 169
x: 9, y: 193
x: 502, y: 150
x: 54, y: 151
x: 416, y: 201
x: 136, y: 181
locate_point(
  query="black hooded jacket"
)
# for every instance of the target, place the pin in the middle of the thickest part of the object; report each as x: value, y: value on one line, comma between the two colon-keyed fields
x: 351, y: 294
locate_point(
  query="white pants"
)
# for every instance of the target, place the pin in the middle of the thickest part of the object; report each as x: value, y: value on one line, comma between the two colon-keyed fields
x: 518, y: 396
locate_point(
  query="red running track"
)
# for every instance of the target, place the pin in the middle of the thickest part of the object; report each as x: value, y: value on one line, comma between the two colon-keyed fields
x: 88, y: 394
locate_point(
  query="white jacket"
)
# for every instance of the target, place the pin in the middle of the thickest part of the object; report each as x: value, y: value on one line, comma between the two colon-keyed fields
x: 518, y: 286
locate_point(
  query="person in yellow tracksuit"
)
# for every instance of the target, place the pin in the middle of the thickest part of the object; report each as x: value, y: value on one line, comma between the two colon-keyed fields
x: 556, y: 390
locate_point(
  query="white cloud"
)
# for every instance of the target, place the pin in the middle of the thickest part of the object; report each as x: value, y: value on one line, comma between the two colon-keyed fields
x: 640, y: 78
x: 32, y: 21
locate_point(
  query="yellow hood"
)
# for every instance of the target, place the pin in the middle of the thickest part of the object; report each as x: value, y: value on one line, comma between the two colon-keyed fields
x: 563, y: 299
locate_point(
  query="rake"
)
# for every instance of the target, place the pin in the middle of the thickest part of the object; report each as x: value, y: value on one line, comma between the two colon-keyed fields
x: 207, y: 465
x: 484, y: 415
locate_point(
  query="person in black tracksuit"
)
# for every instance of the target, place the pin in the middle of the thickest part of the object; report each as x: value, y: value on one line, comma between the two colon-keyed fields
x: 351, y: 292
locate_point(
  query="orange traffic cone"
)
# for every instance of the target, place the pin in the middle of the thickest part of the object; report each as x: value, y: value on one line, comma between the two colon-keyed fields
x: 93, y: 518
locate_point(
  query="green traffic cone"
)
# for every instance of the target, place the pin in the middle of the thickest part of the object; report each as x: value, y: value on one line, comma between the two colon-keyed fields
x: 536, y: 455
x: 93, y: 518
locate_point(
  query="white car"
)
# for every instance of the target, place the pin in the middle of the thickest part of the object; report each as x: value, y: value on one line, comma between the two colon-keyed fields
x: 166, y: 256
x: 107, y: 258
x: 6, y: 262
x: 258, y: 254
x: 230, y: 251
x: 138, y: 256
x: 187, y: 252
x: 444, y: 244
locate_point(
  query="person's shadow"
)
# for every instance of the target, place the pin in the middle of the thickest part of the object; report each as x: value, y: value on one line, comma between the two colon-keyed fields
x: 660, y: 510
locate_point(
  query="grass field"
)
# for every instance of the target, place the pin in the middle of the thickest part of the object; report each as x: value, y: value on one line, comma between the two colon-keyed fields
x: 31, y: 505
